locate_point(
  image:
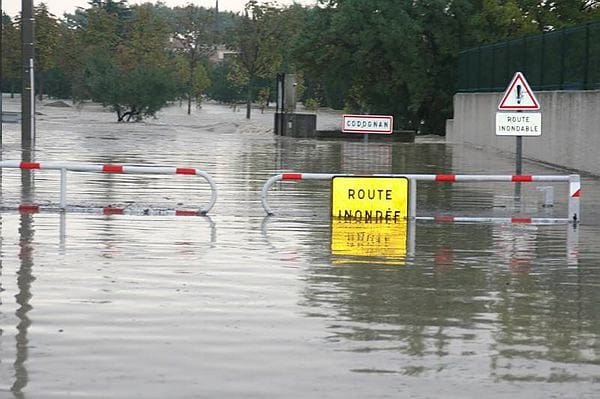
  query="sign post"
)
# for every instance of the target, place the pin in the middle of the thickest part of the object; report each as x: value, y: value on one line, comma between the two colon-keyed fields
x: 518, y: 97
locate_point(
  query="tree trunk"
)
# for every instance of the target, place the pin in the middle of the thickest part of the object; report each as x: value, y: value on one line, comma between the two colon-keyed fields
x: 191, y: 81
x: 249, y: 99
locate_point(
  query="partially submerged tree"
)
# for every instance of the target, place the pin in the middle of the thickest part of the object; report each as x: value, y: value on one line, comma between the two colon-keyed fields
x: 256, y: 40
x: 137, y: 79
x: 133, y: 94
x: 195, y: 40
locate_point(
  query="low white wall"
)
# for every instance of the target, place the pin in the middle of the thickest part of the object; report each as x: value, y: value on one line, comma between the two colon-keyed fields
x: 570, y: 128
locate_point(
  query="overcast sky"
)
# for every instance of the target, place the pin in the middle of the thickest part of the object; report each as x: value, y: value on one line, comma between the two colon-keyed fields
x: 59, y: 7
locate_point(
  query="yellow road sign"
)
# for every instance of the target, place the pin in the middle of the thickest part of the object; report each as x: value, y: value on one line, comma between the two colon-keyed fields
x: 369, y: 198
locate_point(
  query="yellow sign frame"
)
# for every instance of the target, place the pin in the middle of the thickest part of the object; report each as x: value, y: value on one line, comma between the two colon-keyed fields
x: 370, y: 198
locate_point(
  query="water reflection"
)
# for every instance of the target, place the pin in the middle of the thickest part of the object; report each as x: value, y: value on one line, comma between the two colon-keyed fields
x: 366, y: 158
x: 512, y: 295
x: 165, y: 305
x: 379, y: 242
x: 23, y: 297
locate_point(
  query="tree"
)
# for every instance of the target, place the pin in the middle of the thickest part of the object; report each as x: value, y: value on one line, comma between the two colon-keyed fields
x: 399, y: 56
x: 96, y: 33
x: 222, y: 88
x: 11, y: 53
x: 47, y: 37
x: 146, y: 41
x: 133, y: 74
x: 369, y: 51
x: 200, y: 83
x: 132, y: 93
x: 256, y: 40
x: 196, y: 35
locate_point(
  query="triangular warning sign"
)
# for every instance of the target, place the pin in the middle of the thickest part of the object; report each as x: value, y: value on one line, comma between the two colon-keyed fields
x: 518, y: 96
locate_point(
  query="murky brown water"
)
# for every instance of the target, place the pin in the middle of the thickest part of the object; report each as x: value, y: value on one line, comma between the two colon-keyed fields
x: 242, y: 305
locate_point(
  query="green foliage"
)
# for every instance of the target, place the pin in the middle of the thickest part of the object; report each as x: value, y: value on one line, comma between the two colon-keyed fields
x: 146, y: 40
x: 221, y: 88
x: 131, y: 93
x: 200, y: 83
x: 394, y: 57
x: 47, y: 37
x: 136, y: 78
x: 11, y: 53
x: 256, y: 40
x: 312, y: 104
x: 368, y: 50
x: 195, y: 38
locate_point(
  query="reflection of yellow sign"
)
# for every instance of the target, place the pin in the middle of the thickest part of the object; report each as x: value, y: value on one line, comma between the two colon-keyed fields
x: 383, y: 239
x: 369, y: 198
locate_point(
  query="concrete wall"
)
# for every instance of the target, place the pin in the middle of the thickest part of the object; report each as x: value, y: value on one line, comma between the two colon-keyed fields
x: 570, y: 128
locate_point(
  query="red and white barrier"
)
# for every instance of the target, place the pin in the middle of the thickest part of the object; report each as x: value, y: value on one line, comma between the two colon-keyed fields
x: 573, y: 180
x: 65, y: 167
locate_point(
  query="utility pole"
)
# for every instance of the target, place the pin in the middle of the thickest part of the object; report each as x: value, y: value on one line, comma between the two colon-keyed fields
x: 28, y: 91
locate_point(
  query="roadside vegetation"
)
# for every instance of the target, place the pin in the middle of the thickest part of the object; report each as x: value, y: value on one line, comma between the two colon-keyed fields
x: 392, y: 57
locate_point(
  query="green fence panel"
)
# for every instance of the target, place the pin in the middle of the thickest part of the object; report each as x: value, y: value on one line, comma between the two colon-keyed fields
x: 593, y: 71
x: 564, y: 59
x: 574, y: 59
x: 533, y: 54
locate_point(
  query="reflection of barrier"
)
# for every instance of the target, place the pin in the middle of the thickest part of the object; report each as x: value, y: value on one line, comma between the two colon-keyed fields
x: 573, y: 180
x: 63, y: 222
x: 124, y: 169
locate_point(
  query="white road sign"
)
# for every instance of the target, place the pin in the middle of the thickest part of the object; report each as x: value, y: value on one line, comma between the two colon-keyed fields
x: 368, y: 124
x: 518, y: 96
x: 518, y: 123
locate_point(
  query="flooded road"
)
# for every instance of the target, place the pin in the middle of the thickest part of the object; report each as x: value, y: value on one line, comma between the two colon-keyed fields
x: 238, y: 304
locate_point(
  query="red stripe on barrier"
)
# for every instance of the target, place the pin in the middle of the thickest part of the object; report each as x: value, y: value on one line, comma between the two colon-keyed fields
x: 112, y: 211
x: 448, y: 178
x: 112, y: 168
x: 444, y: 219
x: 29, y: 165
x: 186, y: 213
x: 291, y: 176
x: 185, y: 171
x: 29, y: 208
x: 577, y: 194
x: 522, y: 178
x: 520, y: 220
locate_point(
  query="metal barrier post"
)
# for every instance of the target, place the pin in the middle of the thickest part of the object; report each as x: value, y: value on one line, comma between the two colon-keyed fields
x: 63, y: 189
x: 265, y: 193
x: 574, y: 195
x: 412, y: 199
x: 213, y: 192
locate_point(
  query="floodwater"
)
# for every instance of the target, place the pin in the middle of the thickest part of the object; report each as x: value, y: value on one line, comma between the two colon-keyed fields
x: 239, y: 305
